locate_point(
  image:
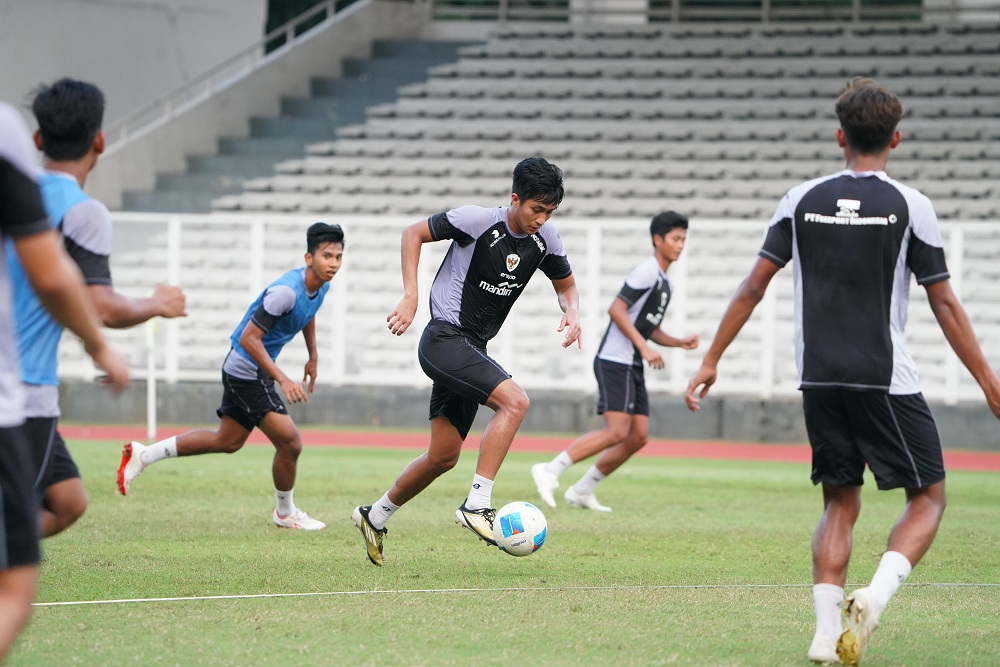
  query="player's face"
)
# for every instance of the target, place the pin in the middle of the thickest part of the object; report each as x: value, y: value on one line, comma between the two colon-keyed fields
x: 671, y: 245
x: 326, y: 261
x: 528, y: 216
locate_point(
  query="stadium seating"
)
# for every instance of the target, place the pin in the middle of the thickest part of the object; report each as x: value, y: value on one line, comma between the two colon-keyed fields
x: 653, y: 116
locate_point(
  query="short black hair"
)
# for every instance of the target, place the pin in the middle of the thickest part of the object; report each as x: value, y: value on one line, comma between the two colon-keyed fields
x: 868, y: 115
x: 537, y: 178
x: 69, y: 115
x: 320, y: 233
x: 663, y: 222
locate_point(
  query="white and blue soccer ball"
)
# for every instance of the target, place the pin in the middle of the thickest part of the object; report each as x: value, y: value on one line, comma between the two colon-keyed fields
x: 519, y: 528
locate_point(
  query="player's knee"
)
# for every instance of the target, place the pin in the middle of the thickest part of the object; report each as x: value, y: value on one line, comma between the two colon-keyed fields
x: 72, y: 510
x: 636, y: 442
x: 443, y: 462
x: 231, y: 445
x: 290, y: 446
x: 518, y: 404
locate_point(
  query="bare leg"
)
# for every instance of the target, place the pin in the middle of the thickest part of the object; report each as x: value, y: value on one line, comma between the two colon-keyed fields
x: 616, y: 429
x: 510, y: 404
x: 226, y: 439
x: 64, y: 503
x: 281, y: 431
x: 832, y: 540
x: 914, y: 532
x: 613, y: 457
x: 440, y: 457
x: 17, y: 590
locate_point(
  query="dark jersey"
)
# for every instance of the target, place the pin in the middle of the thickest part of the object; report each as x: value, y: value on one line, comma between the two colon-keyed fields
x: 487, y: 267
x: 647, y: 292
x: 855, y: 238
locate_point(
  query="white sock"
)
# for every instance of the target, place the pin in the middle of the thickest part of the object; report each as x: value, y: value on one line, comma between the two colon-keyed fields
x: 381, y: 511
x: 829, y: 602
x: 892, y: 571
x: 164, y: 449
x: 559, y: 464
x: 283, y: 501
x: 481, y: 493
x: 589, y: 481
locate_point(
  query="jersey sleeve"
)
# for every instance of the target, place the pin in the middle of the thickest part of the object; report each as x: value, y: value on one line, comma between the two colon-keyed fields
x: 87, y: 234
x: 778, y: 242
x: 638, y: 281
x: 925, y: 252
x: 555, y: 264
x: 278, y: 301
x: 21, y: 210
x: 463, y: 225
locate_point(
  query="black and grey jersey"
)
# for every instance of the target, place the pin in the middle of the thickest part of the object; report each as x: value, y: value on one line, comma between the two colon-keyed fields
x: 487, y: 267
x: 647, y: 292
x: 855, y: 238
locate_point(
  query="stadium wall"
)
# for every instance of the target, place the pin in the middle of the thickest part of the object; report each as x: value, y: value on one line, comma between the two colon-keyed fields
x: 135, y: 51
x: 226, y: 110
x: 734, y: 418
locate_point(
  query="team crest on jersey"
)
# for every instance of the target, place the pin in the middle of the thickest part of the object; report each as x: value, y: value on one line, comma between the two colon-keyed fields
x: 513, y: 260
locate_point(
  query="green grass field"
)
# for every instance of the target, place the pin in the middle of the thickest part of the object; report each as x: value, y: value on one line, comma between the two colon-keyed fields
x: 701, y: 563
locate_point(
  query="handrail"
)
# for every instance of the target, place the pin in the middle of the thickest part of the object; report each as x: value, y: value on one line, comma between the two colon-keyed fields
x: 166, y: 107
x: 676, y: 11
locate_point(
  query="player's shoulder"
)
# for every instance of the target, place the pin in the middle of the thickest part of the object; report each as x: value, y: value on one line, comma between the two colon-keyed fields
x: 646, y: 272
x: 915, y: 199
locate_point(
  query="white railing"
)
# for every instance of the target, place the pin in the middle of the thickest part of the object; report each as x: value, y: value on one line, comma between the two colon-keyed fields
x: 223, y: 261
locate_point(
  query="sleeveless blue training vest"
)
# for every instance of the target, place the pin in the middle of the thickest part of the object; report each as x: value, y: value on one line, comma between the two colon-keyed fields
x: 288, y: 325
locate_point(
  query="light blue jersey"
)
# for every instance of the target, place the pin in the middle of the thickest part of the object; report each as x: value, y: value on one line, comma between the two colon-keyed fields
x: 37, y: 333
x: 287, y: 324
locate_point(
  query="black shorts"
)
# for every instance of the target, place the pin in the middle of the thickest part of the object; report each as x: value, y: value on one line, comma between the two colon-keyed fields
x: 247, y: 401
x: 464, y: 375
x: 19, y: 523
x: 895, y: 435
x: 52, y: 460
x: 620, y: 388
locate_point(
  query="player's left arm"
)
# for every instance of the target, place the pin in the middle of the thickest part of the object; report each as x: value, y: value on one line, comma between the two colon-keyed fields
x: 661, y: 337
x: 118, y: 311
x: 87, y: 235
x: 569, y: 302
x: 957, y: 328
x: 309, y: 334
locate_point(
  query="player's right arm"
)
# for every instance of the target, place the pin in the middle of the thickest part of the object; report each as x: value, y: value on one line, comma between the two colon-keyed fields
x: 413, y: 239
x: 742, y: 305
x: 619, y: 315
x: 59, y: 286
x: 957, y: 328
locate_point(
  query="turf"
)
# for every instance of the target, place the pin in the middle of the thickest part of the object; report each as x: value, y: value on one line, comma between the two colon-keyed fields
x: 701, y: 563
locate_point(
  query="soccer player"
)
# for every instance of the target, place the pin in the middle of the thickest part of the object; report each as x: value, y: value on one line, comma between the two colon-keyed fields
x: 493, y: 254
x: 69, y: 115
x: 53, y: 277
x: 856, y: 236
x: 249, y: 373
x: 636, y: 314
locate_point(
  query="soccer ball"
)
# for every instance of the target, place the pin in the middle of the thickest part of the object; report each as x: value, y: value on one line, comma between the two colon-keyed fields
x: 519, y: 528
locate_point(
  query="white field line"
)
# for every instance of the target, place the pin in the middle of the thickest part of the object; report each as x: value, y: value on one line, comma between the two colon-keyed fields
x: 414, y: 591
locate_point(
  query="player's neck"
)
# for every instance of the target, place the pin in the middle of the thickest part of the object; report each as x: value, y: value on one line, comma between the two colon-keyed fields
x: 312, y: 281
x: 859, y: 162
x: 663, y: 262
x: 78, y: 169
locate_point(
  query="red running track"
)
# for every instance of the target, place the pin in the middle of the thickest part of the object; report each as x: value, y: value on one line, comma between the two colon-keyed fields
x: 701, y: 449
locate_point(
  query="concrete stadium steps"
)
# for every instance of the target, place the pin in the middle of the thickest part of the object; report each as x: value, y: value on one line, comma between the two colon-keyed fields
x: 334, y: 103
